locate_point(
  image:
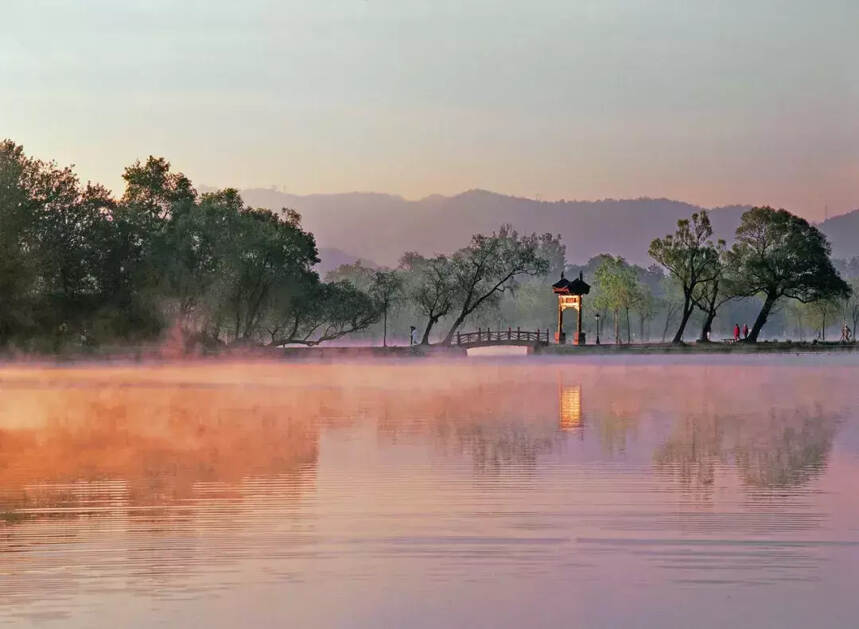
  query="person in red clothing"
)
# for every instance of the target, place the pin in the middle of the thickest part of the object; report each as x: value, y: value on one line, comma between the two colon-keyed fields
x: 736, y: 332
x: 745, y: 331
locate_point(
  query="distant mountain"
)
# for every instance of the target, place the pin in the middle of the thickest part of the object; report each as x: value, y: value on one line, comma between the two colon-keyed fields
x: 381, y: 227
x: 843, y: 234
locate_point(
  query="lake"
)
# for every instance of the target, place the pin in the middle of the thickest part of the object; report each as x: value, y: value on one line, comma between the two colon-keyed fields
x: 704, y: 491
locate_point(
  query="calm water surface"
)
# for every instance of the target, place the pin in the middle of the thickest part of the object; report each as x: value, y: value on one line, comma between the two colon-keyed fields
x: 704, y: 492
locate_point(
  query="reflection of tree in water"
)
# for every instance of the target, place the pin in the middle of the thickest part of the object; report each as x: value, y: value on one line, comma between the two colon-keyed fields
x: 497, y: 424
x: 786, y: 451
x: 500, y: 444
x: 614, y: 421
x: 510, y: 423
x: 793, y: 450
x: 694, y: 450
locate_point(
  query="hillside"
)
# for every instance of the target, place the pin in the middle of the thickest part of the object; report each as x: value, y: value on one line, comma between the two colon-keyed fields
x: 381, y: 227
x: 843, y: 234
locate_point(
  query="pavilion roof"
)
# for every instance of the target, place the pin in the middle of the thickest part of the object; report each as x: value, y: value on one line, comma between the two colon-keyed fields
x: 577, y: 286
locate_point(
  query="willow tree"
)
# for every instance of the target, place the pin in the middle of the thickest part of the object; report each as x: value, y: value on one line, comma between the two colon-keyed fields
x: 617, y: 290
x: 430, y: 286
x: 778, y: 254
x: 489, y: 267
x: 711, y: 295
x: 690, y: 255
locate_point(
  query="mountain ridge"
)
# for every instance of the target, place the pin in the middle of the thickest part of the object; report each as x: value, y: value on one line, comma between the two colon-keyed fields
x: 381, y: 227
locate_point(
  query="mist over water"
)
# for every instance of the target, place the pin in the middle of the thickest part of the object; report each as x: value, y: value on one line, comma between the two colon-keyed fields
x: 708, y: 491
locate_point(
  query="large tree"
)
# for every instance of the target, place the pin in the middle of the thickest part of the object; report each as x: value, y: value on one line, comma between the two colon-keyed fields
x: 50, y: 228
x: 430, y: 286
x: 778, y: 254
x: 267, y: 251
x: 313, y: 312
x: 691, y: 257
x: 489, y: 266
x: 711, y: 295
x: 18, y: 259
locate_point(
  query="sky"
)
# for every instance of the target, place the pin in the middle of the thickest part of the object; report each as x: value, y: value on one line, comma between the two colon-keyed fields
x: 715, y: 102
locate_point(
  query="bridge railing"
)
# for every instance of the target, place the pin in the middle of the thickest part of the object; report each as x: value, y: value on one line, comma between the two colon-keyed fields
x: 501, y: 336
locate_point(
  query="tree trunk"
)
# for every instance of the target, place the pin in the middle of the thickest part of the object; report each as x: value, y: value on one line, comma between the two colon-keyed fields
x: 617, y: 327
x: 385, y: 328
x: 687, y: 312
x: 669, y: 314
x: 855, y: 317
x: 707, y: 327
x: 628, y: 329
x: 430, y: 323
x: 761, y: 318
x: 459, y: 319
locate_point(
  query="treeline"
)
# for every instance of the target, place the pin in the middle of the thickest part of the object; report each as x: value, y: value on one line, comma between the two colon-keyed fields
x: 79, y: 267
x: 777, y: 273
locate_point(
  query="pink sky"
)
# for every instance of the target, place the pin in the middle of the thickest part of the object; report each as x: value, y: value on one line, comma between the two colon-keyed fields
x: 711, y: 103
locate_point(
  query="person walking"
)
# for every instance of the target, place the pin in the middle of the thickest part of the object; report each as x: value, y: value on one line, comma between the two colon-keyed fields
x: 745, y: 331
x: 845, y: 333
x: 412, y: 335
x: 736, y: 332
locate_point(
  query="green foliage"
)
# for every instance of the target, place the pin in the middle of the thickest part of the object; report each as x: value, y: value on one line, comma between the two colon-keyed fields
x: 618, y: 290
x: 386, y: 289
x: 850, y: 305
x: 691, y: 257
x: 777, y: 254
x: 78, y: 266
x: 429, y: 284
x: 491, y: 266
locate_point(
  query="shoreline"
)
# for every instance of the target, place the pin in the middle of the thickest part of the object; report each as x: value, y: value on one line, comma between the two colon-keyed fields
x: 156, y: 354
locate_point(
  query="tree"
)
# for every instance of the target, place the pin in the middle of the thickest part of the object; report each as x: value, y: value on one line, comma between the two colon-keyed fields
x: 386, y: 289
x: 691, y: 257
x: 152, y: 188
x: 317, y: 312
x: 822, y: 313
x: 18, y: 260
x: 709, y: 296
x: 851, y: 305
x: 672, y: 301
x: 650, y: 281
x: 617, y: 290
x: 489, y: 266
x: 49, y: 227
x: 196, y: 249
x: 777, y: 254
x: 430, y: 286
x: 266, y: 253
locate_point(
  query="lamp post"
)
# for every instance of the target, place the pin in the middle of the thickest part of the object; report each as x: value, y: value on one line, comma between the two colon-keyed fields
x: 597, y: 315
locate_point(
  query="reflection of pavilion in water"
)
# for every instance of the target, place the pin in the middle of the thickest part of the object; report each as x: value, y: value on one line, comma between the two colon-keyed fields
x: 570, y: 407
